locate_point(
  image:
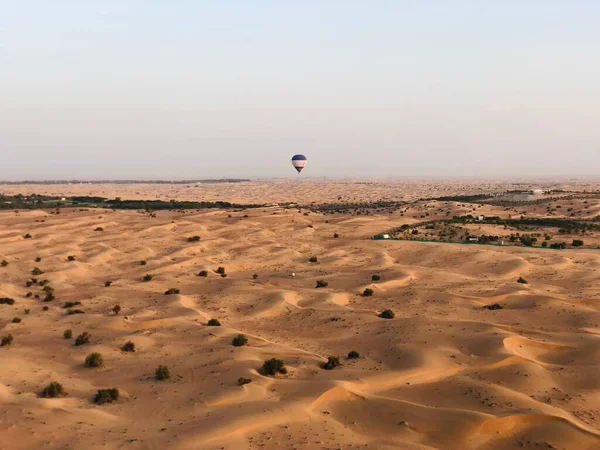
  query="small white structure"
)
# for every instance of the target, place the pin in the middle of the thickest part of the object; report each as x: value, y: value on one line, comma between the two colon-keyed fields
x: 386, y: 236
x: 473, y: 239
x: 480, y: 218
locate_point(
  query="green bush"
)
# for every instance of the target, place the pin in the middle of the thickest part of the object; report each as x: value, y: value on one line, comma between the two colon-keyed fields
x: 322, y: 284
x: 147, y: 277
x: 255, y: 276
x: 4, y: 263
x: 577, y: 243
x: 7, y: 301
x: 239, y: 341
x: 353, y: 355
x: 387, y: 314
x: 27, y: 311
x: 220, y: 270
x: 142, y: 263
x: 53, y: 390
x: 335, y: 235
x: 162, y: 373
x: 332, y: 363
x: 522, y: 280
x: 107, y: 283
x: 375, y: 277
x: 172, y: 291
x: 94, y: 360
x: 214, y: 323
x: 29, y: 294
x: 45, y: 308
x: 37, y: 271
x: 274, y: 366
x: 6, y: 340
x: 193, y: 239
x: 99, y: 229
x: 203, y: 273
x: 68, y: 334
x: 128, y: 347
x: 83, y: 338
x: 368, y: 292
x: 71, y: 258
x: 49, y: 297
x: 28, y: 236
x: 38, y: 259
x: 16, y: 320
x: 116, y: 309
x: 106, y: 396
x: 312, y: 259
x: 241, y: 381
x: 71, y: 312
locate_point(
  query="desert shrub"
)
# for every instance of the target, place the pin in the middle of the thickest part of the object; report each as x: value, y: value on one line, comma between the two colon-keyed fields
x: 37, y: 271
x: 83, y: 338
x: 99, y: 229
x: 274, y: 366
x: 522, y: 280
x: 68, y: 334
x: 7, y: 301
x: 223, y: 275
x: 53, y: 390
x: 162, y: 373
x: 375, y: 277
x: 143, y: 263
x: 353, y: 355
x: 4, y: 263
x: 544, y: 244
x: 116, y: 309
x: 46, y: 289
x: 27, y: 311
x: 128, y: 347
x: 28, y: 236
x: 214, y: 323
x: 335, y: 235
x: 332, y: 363
x: 193, y: 239
x: 49, y: 297
x: 45, y: 308
x: 16, y: 320
x: 70, y: 304
x: 29, y: 294
x: 38, y: 259
x: 322, y: 284
x: 239, y: 341
x: 577, y: 243
x: 71, y: 258
x: 107, y: 283
x: 203, y: 273
x: 558, y: 245
x: 312, y: 259
x: 220, y: 270
x: 147, y: 277
x: 6, y: 340
x: 241, y: 381
x: 71, y: 312
x: 172, y: 291
x: 367, y: 292
x: 255, y: 276
x: 106, y: 396
x: 29, y: 283
x: 494, y: 306
x: 387, y: 314
x: 94, y: 360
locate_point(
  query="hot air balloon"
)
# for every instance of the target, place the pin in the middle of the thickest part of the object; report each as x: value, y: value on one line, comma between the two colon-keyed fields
x: 299, y: 161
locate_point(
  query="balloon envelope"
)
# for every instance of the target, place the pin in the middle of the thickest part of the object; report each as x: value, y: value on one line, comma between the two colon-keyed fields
x: 299, y: 161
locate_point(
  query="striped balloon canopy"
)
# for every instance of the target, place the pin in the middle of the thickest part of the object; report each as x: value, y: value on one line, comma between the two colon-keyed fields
x: 299, y: 161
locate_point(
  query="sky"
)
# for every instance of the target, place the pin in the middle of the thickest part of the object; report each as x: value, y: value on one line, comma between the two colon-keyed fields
x: 180, y: 89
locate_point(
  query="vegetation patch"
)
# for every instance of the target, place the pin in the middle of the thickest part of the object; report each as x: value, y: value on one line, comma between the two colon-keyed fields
x: 53, y: 390
x: 106, y: 396
x: 273, y: 367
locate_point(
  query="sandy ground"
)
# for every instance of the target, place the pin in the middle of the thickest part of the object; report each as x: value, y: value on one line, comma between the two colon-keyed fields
x: 445, y: 373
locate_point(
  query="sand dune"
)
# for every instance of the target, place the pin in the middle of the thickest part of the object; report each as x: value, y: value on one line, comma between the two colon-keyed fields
x: 445, y: 373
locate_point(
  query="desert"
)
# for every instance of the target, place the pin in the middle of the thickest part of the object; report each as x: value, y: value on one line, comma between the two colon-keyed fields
x: 386, y: 343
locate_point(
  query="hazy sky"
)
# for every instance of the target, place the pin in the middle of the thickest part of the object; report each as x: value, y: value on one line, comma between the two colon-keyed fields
x: 193, y: 88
